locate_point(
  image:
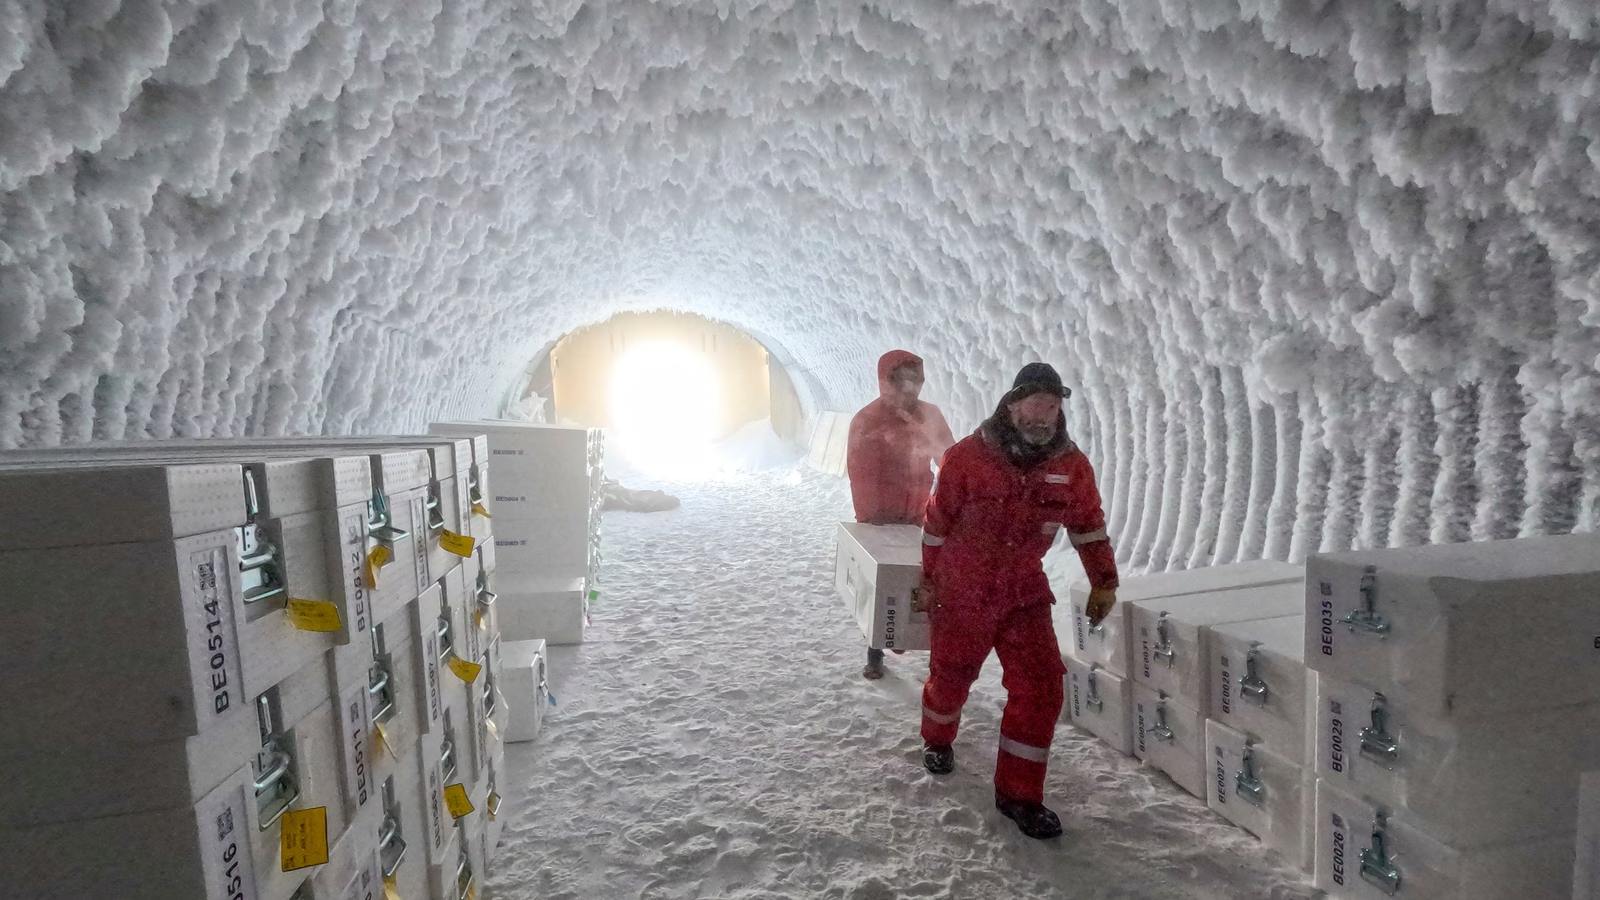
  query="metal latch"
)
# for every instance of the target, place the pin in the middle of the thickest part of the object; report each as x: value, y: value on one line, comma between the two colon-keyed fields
x: 1245, y: 782
x: 486, y: 597
x: 379, y: 689
x: 435, y: 515
x: 1377, y: 744
x: 379, y: 522
x: 1161, y: 731
x: 1251, y: 687
x: 447, y: 750
x: 275, y: 784
x: 463, y: 871
x: 1163, y: 648
x: 1093, y: 701
x: 1377, y: 866
x: 473, y: 492
x: 260, y: 572
x: 489, y: 701
x: 1367, y: 618
x: 391, y: 843
x: 447, y: 641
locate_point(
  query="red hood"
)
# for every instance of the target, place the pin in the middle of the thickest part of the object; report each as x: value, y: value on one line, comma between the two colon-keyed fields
x: 890, y: 361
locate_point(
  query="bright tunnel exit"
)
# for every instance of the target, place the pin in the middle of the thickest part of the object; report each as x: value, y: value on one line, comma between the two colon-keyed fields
x: 681, y: 397
x: 666, y: 408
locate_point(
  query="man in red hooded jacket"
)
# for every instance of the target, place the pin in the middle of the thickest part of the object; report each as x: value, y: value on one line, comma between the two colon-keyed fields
x: 1003, y: 495
x: 893, y: 441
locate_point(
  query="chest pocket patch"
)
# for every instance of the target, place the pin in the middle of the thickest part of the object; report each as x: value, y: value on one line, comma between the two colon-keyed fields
x: 1058, y: 479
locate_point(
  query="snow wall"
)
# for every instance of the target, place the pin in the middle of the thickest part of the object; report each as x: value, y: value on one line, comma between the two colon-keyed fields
x: 1321, y: 274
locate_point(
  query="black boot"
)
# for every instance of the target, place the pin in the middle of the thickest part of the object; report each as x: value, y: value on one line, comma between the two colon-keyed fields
x: 939, y: 760
x: 1035, y: 819
x: 874, y: 668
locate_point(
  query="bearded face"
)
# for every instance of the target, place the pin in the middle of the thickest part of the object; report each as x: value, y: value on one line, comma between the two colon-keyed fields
x: 1035, y: 418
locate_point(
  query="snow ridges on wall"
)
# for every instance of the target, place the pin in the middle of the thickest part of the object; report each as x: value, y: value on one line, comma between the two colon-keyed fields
x: 1324, y: 275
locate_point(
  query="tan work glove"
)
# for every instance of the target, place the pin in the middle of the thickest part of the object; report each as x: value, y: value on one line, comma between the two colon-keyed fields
x: 923, y: 601
x: 1099, y: 606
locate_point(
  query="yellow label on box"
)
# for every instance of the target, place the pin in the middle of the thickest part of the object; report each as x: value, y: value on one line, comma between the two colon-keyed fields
x: 466, y: 671
x: 391, y: 888
x: 459, y: 544
x: 384, y: 742
x: 472, y: 891
x: 313, y: 615
x: 456, y: 800
x: 377, y: 558
x: 305, y: 838
x: 481, y: 510
x: 479, y: 618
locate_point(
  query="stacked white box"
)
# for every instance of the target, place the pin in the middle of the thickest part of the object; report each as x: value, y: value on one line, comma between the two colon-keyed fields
x: 1170, y: 736
x: 192, y: 686
x: 877, y: 572
x: 1261, y: 791
x: 526, y: 686
x: 1171, y: 648
x: 1462, y: 630
x: 1467, y: 782
x: 546, y: 503
x: 1259, y: 685
x: 1109, y: 643
x: 1458, y: 706
x: 1367, y: 851
x: 1100, y: 703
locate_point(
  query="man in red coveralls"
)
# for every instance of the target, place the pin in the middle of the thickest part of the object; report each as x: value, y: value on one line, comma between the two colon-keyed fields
x: 893, y: 440
x: 1002, y: 495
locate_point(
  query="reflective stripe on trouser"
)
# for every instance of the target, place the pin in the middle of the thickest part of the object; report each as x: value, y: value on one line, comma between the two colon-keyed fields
x: 1024, y: 639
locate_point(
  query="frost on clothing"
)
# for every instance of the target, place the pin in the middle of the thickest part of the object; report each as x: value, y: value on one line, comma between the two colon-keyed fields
x: 891, y: 446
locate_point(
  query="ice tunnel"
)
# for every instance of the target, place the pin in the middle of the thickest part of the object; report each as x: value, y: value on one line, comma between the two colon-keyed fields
x: 1321, y: 275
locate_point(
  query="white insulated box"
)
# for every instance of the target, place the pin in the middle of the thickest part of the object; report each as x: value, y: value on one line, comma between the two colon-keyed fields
x: 1105, y: 645
x: 1100, y: 703
x: 1170, y: 736
x: 1586, y: 876
x: 201, y: 851
x: 1260, y: 791
x: 1170, y: 642
x: 353, y: 870
x: 524, y: 680
x: 544, y: 492
x: 1366, y: 851
x: 70, y: 507
x: 404, y: 856
x: 428, y: 661
x: 878, y: 573
x: 1109, y: 643
x: 556, y: 611
x: 1461, y: 630
x: 1469, y: 783
x: 1259, y: 683
x: 142, y: 638
x: 97, y: 777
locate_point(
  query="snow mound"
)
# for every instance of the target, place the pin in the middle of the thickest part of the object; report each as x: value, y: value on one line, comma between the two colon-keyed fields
x: 1320, y: 275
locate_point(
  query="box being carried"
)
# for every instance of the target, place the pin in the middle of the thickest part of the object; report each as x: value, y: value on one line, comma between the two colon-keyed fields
x: 877, y: 571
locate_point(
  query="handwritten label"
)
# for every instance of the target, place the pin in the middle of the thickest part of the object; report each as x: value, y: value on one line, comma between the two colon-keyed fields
x: 459, y: 544
x: 466, y: 671
x: 456, y: 800
x: 313, y: 615
x: 305, y: 838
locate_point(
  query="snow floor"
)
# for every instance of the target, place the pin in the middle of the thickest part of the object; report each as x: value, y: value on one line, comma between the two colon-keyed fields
x: 714, y: 739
